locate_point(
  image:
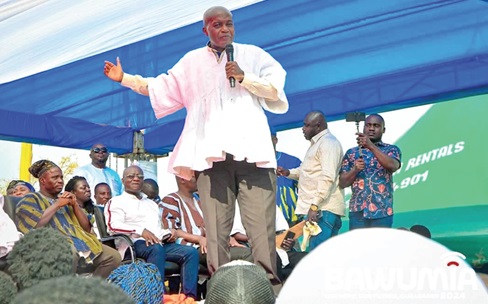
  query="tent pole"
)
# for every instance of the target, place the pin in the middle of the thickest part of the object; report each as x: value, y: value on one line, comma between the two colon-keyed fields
x: 25, y: 161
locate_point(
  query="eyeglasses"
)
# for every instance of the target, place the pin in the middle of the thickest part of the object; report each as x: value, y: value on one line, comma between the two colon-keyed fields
x: 100, y: 150
x: 132, y: 176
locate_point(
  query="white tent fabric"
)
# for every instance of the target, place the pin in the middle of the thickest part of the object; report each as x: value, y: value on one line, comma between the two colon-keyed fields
x: 57, y: 32
x: 340, y: 56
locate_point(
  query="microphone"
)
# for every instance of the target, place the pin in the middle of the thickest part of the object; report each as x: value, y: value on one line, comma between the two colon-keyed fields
x: 229, y: 50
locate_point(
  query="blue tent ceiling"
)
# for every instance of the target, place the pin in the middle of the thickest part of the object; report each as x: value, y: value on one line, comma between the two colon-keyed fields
x: 340, y: 56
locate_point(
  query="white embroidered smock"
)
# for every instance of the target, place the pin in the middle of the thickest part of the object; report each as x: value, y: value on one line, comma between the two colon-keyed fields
x: 220, y: 119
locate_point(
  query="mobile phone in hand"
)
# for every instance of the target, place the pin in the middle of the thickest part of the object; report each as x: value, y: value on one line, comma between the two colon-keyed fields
x: 166, y: 237
x: 289, y: 235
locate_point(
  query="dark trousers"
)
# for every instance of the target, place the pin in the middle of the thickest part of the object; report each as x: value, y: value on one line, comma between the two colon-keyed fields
x: 357, y: 220
x: 293, y: 257
x: 102, y: 265
x: 255, y: 191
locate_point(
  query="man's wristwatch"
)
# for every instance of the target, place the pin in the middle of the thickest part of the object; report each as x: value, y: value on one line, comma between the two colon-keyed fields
x: 314, y: 208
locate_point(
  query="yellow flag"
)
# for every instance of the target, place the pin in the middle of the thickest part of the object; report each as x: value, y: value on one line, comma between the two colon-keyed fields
x: 25, y: 161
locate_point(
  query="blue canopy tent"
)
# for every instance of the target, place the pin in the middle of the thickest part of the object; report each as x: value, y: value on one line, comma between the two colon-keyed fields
x: 340, y: 55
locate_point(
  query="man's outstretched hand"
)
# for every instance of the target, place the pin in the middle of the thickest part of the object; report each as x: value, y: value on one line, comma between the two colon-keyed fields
x: 113, y: 71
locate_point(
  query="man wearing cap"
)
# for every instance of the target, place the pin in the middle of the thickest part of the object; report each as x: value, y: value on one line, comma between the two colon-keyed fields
x: 51, y: 208
x: 98, y: 172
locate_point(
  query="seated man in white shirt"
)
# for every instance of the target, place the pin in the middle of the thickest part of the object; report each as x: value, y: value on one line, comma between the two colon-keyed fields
x: 102, y: 194
x: 132, y: 213
x: 287, y: 257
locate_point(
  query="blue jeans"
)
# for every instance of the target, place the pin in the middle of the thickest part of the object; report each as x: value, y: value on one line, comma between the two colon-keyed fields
x: 330, y: 224
x: 357, y: 220
x: 185, y: 256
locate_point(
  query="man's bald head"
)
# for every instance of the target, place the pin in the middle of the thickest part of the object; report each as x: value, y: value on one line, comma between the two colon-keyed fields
x: 213, y: 11
x: 317, y: 117
x: 313, y: 124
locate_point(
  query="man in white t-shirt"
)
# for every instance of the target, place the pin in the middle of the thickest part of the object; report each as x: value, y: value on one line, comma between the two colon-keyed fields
x: 97, y: 172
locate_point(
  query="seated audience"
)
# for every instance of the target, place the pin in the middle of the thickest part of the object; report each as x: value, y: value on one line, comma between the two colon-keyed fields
x: 387, y: 266
x: 11, y: 186
x: 287, y: 256
x: 51, y: 208
x: 151, y: 189
x: 80, y: 188
x: 19, y: 188
x: 102, y: 194
x: 133, y: 214
x: 182, y: 211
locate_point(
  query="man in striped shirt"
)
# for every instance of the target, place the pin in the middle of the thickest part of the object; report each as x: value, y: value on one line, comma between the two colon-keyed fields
x: 182, y: 211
